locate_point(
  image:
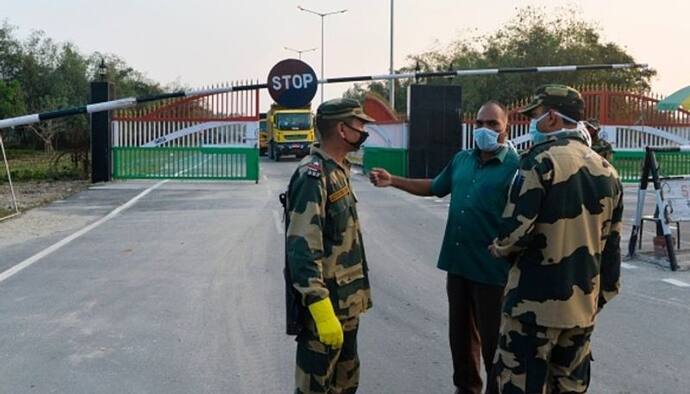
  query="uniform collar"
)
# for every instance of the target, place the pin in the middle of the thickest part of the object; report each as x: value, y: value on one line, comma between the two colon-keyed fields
x: 345, y: 166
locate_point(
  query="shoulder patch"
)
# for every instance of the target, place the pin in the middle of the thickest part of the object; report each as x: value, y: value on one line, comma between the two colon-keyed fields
x: 314, y: 169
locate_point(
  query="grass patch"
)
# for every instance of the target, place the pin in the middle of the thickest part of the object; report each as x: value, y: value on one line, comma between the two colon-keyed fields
x: 32, y: 165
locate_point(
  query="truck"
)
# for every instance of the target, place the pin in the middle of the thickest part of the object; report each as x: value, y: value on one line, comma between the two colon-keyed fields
x: 290, y: 131
x: 263, y: 134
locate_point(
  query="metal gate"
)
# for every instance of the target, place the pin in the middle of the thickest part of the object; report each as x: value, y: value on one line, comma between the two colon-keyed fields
x: 207, y: 137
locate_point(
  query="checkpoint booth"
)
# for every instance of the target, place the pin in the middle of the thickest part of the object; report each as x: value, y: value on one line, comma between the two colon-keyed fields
x: 672, y: 202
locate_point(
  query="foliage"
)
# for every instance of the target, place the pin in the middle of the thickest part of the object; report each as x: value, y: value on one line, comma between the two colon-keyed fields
x: 533, y: 37
x: 26, y: 164
x: 38, y: 74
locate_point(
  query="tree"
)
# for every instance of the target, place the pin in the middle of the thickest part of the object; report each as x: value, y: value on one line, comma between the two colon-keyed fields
x: 39, y: 74
x: 11, y: 99
x: 10, y: 52
x: 534, y: 37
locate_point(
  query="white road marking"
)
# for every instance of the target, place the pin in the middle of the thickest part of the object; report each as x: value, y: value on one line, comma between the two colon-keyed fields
x: 676, y: 282
x: 278, y: 221
x: 628, y: 266
x: 45, y: 252
x: 438, y: 200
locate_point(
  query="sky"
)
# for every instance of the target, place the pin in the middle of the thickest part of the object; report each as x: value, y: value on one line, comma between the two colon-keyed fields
x: 203, y: 42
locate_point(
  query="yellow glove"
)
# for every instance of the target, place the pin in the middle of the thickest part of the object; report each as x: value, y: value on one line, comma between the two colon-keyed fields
x: 327, y: 324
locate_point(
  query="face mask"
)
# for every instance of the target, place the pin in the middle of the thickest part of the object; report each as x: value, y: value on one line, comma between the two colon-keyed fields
x: 510, y: 145
x: 486, y: 139
x: 363, y: 135
x: 537, y: 136
x: 582, y: 128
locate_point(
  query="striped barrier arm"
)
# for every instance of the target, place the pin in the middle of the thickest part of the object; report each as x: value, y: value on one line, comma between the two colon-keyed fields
x: 133, y: 101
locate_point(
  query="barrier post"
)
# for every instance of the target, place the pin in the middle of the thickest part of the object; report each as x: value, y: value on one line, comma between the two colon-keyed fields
x: 101, y: 91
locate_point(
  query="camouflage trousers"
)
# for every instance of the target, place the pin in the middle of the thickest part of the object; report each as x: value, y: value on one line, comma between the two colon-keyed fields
x: 322, y: 369
x: 535, y: 359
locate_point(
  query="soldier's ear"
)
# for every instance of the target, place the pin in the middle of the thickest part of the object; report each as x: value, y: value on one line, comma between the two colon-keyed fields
x: 552, y: 118
x: 340, y: 128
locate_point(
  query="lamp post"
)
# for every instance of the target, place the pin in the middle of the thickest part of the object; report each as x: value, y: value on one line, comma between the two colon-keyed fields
x: 322, y: 15
x: 300, y: 52
x: 392, y: 70
x: 102, y: 71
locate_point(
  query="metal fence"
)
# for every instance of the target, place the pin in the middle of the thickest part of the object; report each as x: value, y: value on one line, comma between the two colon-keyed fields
x: 207, y: 163
x: 207, y: 137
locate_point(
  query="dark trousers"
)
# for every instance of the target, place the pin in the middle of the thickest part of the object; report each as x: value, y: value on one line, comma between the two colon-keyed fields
x: 474, y: 322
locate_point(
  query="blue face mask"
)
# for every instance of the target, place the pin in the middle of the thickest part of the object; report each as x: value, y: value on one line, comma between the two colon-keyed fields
x: 486, y: 139
x: 537, y: 136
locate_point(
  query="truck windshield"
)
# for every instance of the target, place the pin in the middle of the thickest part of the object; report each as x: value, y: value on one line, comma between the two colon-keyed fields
x: 262, y: 125
x: 294, y: 121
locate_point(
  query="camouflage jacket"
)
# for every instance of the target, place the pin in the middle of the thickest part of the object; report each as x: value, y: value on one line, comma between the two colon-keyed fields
x: 562, y: 230
x: 603, y: 148
x: 324, y: 242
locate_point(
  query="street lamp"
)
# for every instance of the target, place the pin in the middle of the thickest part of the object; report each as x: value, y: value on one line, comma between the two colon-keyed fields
x: 322, y: 15
x: 392, y: 70
x: 300, y: 52
x: 102, y: 71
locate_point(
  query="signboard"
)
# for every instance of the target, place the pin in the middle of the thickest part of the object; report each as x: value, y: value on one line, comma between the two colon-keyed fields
x: 292, y: 83
x: 677, y: 197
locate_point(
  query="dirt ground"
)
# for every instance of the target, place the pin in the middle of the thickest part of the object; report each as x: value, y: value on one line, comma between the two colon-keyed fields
x: 31, y: 194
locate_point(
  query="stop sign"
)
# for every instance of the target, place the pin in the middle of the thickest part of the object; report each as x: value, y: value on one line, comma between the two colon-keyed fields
x: 292, y: 83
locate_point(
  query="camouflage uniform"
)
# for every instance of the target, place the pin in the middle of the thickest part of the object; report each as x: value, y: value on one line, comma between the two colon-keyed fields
x: 563, y: 223
x: 603, y: 148
x: 326, y: 259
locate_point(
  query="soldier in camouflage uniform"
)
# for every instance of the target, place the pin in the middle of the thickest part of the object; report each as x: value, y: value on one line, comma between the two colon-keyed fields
x: 562, y: 233
x: 326, y: 255
x: 601, y: 146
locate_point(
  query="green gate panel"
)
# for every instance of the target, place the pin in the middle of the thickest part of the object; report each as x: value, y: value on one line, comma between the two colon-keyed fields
x: 394, y: 160
x: 224, y: 163
x: 629, y: 164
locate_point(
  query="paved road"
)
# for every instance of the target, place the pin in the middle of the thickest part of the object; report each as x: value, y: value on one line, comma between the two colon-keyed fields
x: 182, y: 293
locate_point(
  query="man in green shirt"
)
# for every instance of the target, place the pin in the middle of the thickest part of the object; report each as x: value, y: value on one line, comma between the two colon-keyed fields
x: 478, y: 182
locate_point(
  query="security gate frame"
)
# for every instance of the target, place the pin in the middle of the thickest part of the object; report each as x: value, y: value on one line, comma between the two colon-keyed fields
x: 212, y: 137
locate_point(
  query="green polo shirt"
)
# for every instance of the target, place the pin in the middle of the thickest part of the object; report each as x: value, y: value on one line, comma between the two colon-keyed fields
x: 478, y: 196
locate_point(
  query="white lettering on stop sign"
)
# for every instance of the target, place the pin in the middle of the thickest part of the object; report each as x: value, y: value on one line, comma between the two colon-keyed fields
x: 296, y: 81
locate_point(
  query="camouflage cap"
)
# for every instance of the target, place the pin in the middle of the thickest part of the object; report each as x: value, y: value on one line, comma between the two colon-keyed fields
x: 342, y: 108
x: 555, y: 96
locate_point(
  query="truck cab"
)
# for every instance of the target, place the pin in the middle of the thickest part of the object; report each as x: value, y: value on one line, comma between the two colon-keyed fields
x: 290, y: 131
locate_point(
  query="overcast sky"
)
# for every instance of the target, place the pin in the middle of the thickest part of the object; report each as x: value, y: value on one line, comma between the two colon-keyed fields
x: 201, y: 42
